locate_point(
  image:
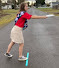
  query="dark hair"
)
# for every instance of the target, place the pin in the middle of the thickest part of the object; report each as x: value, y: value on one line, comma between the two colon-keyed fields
x: 22, y: 6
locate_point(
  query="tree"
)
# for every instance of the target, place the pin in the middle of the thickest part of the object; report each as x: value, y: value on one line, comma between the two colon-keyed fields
x: 20, y: 1
x: 14, y: 3
x: 0, y: 4
x: 42, y: 2
x: 37, y: 2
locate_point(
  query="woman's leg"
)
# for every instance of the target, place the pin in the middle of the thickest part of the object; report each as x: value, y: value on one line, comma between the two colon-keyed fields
x: 10, y: 46
x: 21, y: 49
x: 21, y: 57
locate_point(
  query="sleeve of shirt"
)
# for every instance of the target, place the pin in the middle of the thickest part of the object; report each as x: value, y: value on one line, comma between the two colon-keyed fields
x: 27, y: 16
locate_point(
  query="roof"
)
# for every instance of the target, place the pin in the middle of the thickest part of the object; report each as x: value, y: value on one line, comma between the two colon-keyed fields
x: 55, y: 2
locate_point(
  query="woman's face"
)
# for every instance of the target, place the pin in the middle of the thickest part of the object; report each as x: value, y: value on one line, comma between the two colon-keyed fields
x: 26, y: 7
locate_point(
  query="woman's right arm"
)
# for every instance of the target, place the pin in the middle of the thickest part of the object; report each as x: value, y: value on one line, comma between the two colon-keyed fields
x: 38, y: 17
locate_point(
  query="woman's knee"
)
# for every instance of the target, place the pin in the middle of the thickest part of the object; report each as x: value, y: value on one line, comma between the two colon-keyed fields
x: 22, y: 44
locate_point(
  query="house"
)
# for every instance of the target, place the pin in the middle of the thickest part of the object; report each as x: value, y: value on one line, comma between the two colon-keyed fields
x: 7, y: 7
x: 49, y: 1
x: 8, y: 4
x: 52, y: 4
x: 5, y: 1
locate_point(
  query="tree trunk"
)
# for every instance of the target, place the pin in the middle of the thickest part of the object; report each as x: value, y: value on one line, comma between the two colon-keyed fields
x: 14, y: 2
x: 0, y: 4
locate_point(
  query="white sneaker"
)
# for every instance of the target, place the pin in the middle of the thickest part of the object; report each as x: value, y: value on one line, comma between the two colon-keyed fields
x: 22, y: 58
x: 8, y: 55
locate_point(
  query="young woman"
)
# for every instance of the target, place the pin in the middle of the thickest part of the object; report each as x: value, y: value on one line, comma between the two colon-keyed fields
x: 16, y: 32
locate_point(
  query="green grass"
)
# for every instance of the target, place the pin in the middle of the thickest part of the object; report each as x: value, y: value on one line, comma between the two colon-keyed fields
x: 11, y: 15
x: 49, y: 10
x: 10, y: 11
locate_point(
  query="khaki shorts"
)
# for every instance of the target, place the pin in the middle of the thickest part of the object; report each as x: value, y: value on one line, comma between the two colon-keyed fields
x: 17, y: 35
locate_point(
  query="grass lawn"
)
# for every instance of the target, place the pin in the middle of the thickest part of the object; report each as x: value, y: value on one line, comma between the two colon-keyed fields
x: 50, y: 11
x: 6, y: 16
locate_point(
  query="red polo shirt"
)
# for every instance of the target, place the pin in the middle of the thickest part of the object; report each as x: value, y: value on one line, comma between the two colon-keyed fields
x: 22, y: 19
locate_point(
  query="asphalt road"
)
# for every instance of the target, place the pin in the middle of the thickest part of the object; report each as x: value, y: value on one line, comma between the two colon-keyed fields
x: 41, y: 41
